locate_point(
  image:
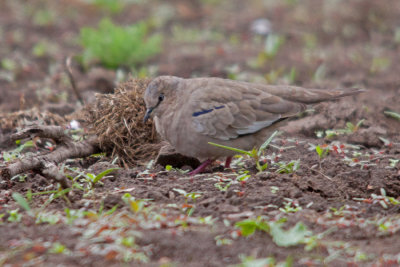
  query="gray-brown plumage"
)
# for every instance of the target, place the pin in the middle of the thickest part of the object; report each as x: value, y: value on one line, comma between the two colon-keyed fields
x: 189, y: 113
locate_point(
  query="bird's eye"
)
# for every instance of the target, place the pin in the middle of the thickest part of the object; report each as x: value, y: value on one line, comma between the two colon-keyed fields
x: 161, y: 98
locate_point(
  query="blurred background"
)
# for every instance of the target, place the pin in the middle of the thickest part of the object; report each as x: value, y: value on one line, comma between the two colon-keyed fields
x: 315, y: 43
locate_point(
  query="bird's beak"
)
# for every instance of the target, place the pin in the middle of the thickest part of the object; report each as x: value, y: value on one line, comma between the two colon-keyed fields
x: 147, y: 115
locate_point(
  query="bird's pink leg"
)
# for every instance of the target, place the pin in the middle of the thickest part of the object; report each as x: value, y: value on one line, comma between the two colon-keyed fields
x: 201, y: 168
x: 228, y: 162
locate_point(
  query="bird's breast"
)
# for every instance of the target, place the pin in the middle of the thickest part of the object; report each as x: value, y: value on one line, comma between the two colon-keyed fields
x: 169, y: 127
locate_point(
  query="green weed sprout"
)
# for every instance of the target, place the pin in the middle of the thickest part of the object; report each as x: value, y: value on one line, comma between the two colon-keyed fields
x: 94, y: 179
x: 350, y: 128
x: 272, y: 45
x: 381, y: 199
x: 21, y: 200
x: 111, y: 6
x: 136, y: 205
x: 298, y: 234
x: 170, y: 168
x: 192, y: 195
x: 247, y: 261
x: 289, y: 167
x: 392, y: 114
x: 14, y: 216
x: 322, y: 151
x: 114, y: 46
x: 16, y: 153
x: 90, y: 178
x: 255, y: 153
x: 249, y: 226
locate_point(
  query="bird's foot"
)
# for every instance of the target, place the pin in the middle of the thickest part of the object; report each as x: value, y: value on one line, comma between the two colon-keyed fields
x: 228, y: 162
x: 201, y: 168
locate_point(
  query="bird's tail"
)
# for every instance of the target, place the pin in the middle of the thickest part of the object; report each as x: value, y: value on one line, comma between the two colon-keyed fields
x: 345, y: 92
x: 312, y: 96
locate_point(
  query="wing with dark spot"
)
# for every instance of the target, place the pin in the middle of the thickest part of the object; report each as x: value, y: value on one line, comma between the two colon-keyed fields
x: 226, y: 110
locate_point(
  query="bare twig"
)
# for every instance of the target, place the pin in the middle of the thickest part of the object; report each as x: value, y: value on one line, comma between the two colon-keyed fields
x: 51, y: 171
x: 57, y: 133
x: 68, y: 70
x: 383, y: 157
x: 46, y: 164
x: 314, y: 170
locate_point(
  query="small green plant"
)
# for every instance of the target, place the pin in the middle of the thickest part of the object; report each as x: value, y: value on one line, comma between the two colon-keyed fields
x: 113, y: 6
x: 249, y: 226
x: 298, y: 234
x: 292, y: 237
x: 310, y: 41
x: 249, y: 261
x: 9, y: 64
x: 90, y: 178
x: 322, y: 151
x: 114, y: 46
x: 136, y: 205
x: 223, y: 186
x: 350, y: 128
x: 192, y: 195
x: 392, y: 114
x: 291, y: 206
x: 72, y: 215
x: 16, y: 153
x: 385, y: 141
x: 58, y: 248
x: 48, y: 218
x: 397, y: 35
x: 274, y: 189
x: 255, y: 153
x: 273, y: 43
x: 354, y: 161
x: 59, y: 193
x: 44, y: 48
x: 382, y: 199
x: 20, y: 178
x: 220, y: 240
x: 393, y: 162
x: 320, y: 73
x: 290, y: 77
x: 43, y: 17
x: 243, y: 177
x: 94, y: 179
x: 380, y: 64
x: 170, y: 168
x: 289, y: 167
x: 20, y: 199
x: 14, y: 216
x: 188, y: 35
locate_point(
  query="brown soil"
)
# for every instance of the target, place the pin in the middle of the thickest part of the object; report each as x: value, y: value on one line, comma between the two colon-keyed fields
x: 341, y: 193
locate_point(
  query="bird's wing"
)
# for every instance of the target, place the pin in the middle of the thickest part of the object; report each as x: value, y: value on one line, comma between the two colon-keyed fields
x: 226, y: 110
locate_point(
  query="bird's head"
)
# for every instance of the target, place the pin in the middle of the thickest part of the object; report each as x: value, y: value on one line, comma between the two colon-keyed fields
x: 159, y: 93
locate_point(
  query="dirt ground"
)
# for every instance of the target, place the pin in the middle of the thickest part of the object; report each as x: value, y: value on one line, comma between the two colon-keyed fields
x: 346, y: 200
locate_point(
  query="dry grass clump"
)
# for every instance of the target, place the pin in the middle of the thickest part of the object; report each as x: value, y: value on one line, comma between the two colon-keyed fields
x: 117, y: 120
x: 23, y: 118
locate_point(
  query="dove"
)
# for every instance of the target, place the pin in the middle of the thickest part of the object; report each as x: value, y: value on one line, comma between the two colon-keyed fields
x: 190, y: 113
